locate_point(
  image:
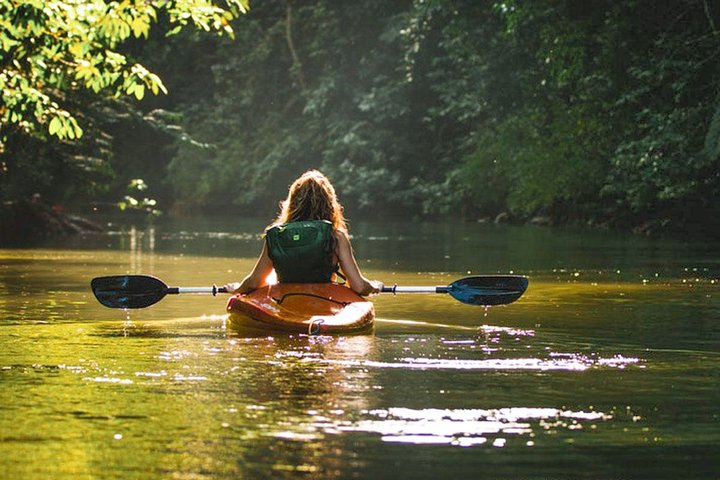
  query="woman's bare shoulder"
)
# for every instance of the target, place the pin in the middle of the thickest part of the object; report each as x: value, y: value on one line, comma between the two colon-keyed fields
x: 341, y: 235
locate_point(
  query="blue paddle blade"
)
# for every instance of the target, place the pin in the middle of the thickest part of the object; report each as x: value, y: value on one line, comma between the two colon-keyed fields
x: 488, y: 289
x: 128, y: 291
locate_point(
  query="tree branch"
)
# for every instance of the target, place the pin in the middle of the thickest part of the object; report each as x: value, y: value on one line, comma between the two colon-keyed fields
x: 297, y: 66
x: 708, y: 14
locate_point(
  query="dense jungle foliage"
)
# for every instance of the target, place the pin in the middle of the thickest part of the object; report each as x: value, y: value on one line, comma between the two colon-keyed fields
x: 604, y: 113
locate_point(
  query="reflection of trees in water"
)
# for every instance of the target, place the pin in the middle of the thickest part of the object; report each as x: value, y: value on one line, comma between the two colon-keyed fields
x: 138, y: 242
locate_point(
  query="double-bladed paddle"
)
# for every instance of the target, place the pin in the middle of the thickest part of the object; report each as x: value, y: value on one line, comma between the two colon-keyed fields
x: 140, y: 291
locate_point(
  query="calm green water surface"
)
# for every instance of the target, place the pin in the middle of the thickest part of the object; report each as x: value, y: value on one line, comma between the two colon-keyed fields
x: 608, y: 367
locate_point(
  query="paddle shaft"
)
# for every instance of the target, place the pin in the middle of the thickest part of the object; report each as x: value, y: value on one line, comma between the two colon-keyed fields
x: 214, y: 290
x: 397, y: 289
x: 393, y: 289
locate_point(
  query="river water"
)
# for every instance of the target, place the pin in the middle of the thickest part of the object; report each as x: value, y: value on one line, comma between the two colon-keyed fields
x: 608, y: 366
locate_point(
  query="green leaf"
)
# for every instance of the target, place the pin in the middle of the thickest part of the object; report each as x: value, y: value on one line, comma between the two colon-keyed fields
x: 139, y: 91
x: 174, y: 31
x: 55, y: 125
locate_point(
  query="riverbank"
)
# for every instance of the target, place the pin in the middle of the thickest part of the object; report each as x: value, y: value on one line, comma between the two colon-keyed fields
x: 25, y: 222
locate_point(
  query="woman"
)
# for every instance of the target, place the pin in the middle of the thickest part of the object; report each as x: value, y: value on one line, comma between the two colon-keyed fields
x: 308, y: 242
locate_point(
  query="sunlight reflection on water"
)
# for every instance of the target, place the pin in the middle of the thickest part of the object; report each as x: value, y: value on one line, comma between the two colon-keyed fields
x: 466, y: 427
x: 568, y: 361
x: 457, y: 427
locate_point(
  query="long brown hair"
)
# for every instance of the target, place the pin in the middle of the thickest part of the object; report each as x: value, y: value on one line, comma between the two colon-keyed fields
x: 312, y: 197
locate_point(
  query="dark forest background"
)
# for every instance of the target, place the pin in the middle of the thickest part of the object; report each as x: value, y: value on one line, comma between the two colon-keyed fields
x: 602, y: 113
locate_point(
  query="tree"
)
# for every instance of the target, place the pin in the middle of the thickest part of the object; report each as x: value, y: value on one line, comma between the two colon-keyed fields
x: 62, y: 62
x: 318, y: 86
x: 612, y: 121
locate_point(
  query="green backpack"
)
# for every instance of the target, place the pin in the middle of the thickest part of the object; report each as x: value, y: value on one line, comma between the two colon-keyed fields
x: 301, y: 252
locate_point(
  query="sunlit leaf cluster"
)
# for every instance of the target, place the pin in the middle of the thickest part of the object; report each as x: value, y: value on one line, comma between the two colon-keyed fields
x: 51, y: 48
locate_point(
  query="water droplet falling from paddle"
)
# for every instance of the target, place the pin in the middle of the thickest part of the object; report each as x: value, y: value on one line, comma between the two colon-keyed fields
x: 127, y: 323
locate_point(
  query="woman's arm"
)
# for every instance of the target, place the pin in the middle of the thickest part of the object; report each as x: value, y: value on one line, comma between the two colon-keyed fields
x: 350, y: 268
x: 257, y: 277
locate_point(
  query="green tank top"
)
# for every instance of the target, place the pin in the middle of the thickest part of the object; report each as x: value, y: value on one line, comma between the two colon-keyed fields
x: 301, y: 252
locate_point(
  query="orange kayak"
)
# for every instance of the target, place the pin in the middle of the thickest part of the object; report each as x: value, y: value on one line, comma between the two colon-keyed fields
x: 312, y: 308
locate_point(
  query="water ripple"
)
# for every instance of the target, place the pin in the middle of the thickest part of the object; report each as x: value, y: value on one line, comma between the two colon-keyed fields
x: 569, y: 362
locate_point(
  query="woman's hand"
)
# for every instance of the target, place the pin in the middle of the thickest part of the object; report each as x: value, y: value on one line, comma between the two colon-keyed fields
x: 370, y: 287
x: 376, y: 287
x: 232, y: 287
